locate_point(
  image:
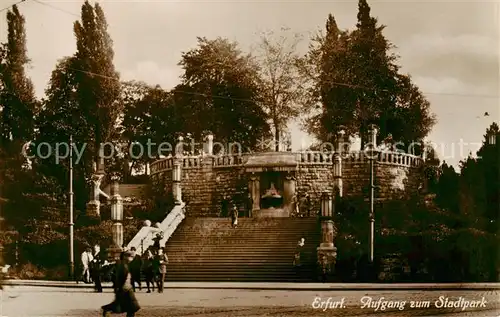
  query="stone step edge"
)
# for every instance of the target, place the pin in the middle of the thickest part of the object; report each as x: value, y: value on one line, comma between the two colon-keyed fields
x: 279, y: 285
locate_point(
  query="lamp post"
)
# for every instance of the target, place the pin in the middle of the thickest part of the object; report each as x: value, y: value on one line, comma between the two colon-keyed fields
x: 373, y: 142
x: 71, y: 222
x: 117, y: 218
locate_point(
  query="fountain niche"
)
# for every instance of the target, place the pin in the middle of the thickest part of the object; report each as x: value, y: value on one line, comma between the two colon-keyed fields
x: 272, y: 183
x: 272, y: 196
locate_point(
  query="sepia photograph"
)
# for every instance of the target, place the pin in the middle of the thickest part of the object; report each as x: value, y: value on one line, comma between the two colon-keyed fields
x: 249, y: 158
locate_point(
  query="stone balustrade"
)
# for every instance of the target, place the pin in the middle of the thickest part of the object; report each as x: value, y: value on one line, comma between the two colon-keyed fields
x: 145, y: 237
x: 206, y: 179
x: 303, y: 158
x: 229, y: 160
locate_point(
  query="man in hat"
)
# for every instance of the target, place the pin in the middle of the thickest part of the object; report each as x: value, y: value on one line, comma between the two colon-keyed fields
x: 96, y: 268
x: 125, y: 300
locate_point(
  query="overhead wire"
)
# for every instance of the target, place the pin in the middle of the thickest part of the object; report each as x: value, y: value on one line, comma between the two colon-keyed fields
x: 241, y: 99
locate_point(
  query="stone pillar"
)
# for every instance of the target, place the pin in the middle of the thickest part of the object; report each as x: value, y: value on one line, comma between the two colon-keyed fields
x: 210, y: 145
x: 327, y: 252
x: 94, y: 209
x: 207, y: 167
x: 288, y: 192
x: 176, y: 180
x: 117, y: 218
x: 254, y: 188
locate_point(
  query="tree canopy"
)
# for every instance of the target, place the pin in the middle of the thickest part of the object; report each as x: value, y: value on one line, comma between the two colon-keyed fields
x: 355, y: 82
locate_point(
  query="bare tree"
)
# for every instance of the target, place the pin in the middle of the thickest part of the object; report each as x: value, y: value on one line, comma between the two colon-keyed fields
x: 282, y: 89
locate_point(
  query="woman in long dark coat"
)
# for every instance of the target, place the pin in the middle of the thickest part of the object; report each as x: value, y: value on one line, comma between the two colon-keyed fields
x: 125, y: 300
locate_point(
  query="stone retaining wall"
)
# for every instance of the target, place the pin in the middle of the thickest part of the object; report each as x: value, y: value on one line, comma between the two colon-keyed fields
x: 205, y: 181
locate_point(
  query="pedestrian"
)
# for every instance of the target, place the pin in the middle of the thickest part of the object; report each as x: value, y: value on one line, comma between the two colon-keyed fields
x: 148, y: 269
x: 125, y: 300
x: 135, y: 268
x: 86, y: 260
x: 157, y: 239
x: 297, y: 263
x: 162, y: 261
x: 295, y: 205
x: 249, y: 205
x: 308, y: 205
x: 96, y: 268
x: 224, y: 207
x: 234, y: 216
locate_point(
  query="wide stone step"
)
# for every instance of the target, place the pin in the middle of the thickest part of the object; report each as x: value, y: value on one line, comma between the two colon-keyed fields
x: 250, y: 234
x: 232, y: 271
x: 249, y: 279
x: 236, y: 257
x: 239, y: 245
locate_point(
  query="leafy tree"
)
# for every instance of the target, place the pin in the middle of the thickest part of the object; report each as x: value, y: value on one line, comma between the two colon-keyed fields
x: 356, y: 81
x: 448, y: 188
x: 220, y: 91
x: 18, y: 106
x: 98, y: 83
x: 82, y: 100
x: 151, y: 117
x: 281, y: 83
x: 56, y: 122
x: 479, y: 183
x: 17, y: 97
x: 325, y: 65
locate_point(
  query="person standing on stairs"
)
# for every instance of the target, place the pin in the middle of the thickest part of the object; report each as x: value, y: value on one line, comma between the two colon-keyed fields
x: 234, y: 216
x: 224, y: 207
x: 297, y: 263
x: 135, y: 268
x: 148, y: 269
x: 162, y: 261
x: 249, y: 205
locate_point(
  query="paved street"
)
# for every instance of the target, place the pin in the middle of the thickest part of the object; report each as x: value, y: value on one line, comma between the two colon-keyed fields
x: 55, y: 302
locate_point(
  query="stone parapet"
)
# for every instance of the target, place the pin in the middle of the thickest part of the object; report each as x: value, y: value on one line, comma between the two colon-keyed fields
x: 206, y: 180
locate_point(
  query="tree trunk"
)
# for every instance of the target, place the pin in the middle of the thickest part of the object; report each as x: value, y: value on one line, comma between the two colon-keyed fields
x: 277, y: 139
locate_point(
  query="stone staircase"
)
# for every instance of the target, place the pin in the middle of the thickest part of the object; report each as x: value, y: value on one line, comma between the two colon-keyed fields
x: 209, y: 249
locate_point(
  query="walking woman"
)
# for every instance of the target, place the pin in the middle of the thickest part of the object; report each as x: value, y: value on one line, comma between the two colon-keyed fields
x: 161, y: 262
x: 125, y: 300
x: 148, y: 269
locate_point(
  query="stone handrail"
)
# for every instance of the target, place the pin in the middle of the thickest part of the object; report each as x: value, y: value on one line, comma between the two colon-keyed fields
x: 383, y: 157
x: 303, y: 158
x: 161, y: 165
x: 228, y: 160
x: 191, y: 161
x: 144, y: 238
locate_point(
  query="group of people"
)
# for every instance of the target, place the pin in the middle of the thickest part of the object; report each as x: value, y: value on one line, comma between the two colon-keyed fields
x: 153, y: 264
x: 93, y: 267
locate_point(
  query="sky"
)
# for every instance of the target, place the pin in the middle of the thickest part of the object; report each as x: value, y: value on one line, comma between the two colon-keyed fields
x: 450, y: 48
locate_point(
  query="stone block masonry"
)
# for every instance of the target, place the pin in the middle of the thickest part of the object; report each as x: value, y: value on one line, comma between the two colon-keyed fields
x: 206, y: 180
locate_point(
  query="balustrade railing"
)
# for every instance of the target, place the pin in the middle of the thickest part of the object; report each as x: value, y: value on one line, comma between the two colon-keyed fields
x: 303, y: 158
x: 145, y: 237
x: 229, y: 160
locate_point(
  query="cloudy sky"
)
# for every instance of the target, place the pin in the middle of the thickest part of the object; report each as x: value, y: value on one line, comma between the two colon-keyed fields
x: 451, y: 48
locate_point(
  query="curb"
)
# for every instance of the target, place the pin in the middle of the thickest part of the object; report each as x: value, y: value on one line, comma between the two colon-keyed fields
x: 277, y: 286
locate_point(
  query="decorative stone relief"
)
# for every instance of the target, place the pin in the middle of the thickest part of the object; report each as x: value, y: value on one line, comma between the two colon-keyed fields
x: 399, y: 178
